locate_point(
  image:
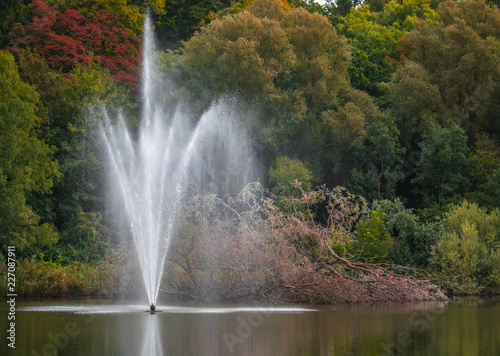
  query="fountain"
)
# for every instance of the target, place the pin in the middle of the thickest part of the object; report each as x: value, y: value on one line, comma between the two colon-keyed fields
x: 151, y: 168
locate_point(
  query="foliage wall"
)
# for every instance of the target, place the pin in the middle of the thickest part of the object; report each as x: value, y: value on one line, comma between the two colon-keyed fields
x: 397, y: 101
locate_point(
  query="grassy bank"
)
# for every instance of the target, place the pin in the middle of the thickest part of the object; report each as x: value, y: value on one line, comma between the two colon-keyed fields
x: 48, y: 279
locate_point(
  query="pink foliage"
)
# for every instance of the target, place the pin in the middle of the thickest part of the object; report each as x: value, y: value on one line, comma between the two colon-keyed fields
x: 248, y: 248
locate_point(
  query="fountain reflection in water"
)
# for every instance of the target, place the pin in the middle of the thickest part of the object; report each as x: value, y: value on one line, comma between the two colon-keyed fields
x: 151, y: 341
x: 151, y: 168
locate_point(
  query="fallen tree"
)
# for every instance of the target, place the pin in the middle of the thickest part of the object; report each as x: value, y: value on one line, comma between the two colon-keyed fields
x: 247, y: 248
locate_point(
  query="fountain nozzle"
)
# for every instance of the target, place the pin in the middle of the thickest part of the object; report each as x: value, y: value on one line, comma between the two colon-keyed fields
x: 152, y: 307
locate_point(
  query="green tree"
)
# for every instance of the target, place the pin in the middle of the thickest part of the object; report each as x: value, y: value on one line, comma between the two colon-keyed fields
x: 374, y: 36
x: 378, y: 157
x: 465, y: 256
x: 443, y: 168
x: 285, y: 173
x: 457, y: 66
x: 181, y: 19
x: 373, y: 239
x: 491, y: 191
x: 290, y: 179
x: 456, y: 256
x: 26, y: 163
x: 70, y: 108
x: 486, y: 223
x: 485, y: 162
x: 11, y: 12
x: 416, y: 100
x: 290, y: 58
x: 294, y: 65
x: 413, y: 237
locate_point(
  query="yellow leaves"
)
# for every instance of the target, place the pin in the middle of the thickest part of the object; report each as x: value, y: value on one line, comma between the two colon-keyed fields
x: 345, y: 124
x: 458, y: 254
x: 240, y: 52
x: 157, y: 6
x: 268, y: 9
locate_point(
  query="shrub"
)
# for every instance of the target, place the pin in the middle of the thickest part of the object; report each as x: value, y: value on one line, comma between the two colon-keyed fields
x: 413, y: 237
x: 374, y: 240
x: 48, y: 279
x: 465, y: 259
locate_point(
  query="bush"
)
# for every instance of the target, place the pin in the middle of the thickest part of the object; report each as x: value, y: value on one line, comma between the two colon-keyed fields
x: 456, y: 256
x: 48, y: 279
x: 466, y: 257
x: 285, y: 172
x: 413, y: 237
x: 374, y: 240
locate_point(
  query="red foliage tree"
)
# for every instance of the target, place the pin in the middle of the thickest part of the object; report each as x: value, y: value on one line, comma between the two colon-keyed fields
x: 64, y: 40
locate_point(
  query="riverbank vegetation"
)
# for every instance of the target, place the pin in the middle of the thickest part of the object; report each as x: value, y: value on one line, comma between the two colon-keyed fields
x: 376, y: 125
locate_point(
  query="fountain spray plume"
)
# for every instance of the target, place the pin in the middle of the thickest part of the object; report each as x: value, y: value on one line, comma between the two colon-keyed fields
x: 140, y: 171
x: 150, y: 174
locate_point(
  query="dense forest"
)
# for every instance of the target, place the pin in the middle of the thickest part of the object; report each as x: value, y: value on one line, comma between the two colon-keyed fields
x: 377, y: 124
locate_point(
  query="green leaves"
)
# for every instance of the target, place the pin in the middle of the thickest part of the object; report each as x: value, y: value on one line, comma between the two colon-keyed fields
x: 443, y: 168
x: 454, y: 68
x: 373, y: 239
x: 378, y: 157
x: 465, y: 258
x: 375, y: 36
x: 26, y: 164
x: 286, y: 173
x: 289, y: 58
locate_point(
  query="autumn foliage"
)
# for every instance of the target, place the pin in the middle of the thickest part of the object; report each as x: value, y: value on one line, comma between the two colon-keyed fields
x: 395, y: 100
x: 67, y: 39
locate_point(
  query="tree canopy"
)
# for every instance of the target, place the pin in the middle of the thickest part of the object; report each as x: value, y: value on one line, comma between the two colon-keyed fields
x: 69, y: 38
x: 26, y: 163
x: 389, y: 107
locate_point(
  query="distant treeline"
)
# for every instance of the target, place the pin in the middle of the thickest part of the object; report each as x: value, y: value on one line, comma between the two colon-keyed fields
x: 397, y: 102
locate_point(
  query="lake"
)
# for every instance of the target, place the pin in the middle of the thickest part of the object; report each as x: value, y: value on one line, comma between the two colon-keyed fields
x: 468, y: 327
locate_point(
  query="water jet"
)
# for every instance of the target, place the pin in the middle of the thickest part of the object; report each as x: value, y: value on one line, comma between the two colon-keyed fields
x: 152, y: 166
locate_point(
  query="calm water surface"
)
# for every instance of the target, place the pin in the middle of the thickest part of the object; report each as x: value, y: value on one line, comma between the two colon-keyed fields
x: 468, y: 327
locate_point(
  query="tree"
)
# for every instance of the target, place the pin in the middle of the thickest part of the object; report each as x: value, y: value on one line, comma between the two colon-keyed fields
x: 71, y: 127
x: 378, y: 157
x: 456, y: 62
x: 26, y: 163
x: 416, y: 100
x: 291, y: 58
x: 373, y: 240
x: 413, y: 237
x: 248, y: 249
x: 10, y: 13
x: 465, y: 256
x: 65, y: 40
x: 130, y: 16
x: 374, y: 36
x: 293, y: 65
x: 180, y: 19
x: 285, y: 172
x: 443, y: 168
x: 289, y: 179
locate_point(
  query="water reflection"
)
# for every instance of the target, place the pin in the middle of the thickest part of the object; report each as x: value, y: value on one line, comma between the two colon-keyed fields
x: 464, y: 328
x: 151, y: 340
